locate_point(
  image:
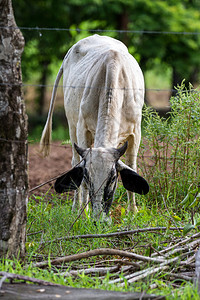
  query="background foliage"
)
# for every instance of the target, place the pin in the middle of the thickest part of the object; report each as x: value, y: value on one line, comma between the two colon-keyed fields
x: 177, y: 52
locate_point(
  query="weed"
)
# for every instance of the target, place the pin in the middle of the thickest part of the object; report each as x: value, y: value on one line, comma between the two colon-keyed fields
x: 173, y: 145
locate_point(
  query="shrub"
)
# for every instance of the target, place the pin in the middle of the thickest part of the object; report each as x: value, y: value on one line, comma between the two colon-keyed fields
x: 173, y: 147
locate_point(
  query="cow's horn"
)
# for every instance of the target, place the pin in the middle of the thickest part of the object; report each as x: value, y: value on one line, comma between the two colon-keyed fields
x: 122, y: 149
x: 79, y: 150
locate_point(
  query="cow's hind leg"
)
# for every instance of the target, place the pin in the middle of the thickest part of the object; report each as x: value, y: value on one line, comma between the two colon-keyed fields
x: 131, y: 161
x: 75, y: 161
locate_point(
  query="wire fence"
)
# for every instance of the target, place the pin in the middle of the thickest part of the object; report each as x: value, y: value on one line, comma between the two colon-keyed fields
x: 79, y: 87
x: 166, y: 92
x: 147, y: 161
x: 66, y: 146
x: 100, y: 31
x: 25, y: 85
x: 103, y: 30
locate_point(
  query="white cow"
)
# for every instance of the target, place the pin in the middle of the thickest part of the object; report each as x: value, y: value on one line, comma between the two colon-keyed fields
x: 103, y: 99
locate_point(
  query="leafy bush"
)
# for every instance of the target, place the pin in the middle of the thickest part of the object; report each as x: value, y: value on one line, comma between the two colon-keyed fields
x: 173, y: 146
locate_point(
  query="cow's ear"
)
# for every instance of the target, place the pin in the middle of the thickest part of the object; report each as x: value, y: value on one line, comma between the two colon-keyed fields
x: 131, y: 180
x: 69, y: 181
x: 134, y: 182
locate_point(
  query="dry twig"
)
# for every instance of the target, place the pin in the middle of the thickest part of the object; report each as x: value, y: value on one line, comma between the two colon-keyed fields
x: 96, y: 252
x: 115, y: 234
x: 26, y: 278
x: 94, y: 271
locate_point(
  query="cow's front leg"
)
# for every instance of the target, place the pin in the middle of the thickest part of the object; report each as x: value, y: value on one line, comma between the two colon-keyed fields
x: 131, y: 202
x: 84, y: 139
x: 85, y: 196
x: 77, y: 200
x: 131, y: 162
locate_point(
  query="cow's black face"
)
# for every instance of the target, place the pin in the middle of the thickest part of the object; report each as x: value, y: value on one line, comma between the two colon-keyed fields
x: 109, y: 190
x: 106, y: 189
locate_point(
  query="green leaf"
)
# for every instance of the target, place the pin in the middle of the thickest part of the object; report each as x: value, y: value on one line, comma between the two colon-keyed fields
x: 123, y: 212
x: 185, y: 201
x: 176, y: 218
x: 197, y: 223
x: 195, y: 201
x: 188, y: 228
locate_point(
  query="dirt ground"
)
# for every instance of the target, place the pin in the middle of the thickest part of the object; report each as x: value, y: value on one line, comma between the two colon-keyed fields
x: 42, y: 169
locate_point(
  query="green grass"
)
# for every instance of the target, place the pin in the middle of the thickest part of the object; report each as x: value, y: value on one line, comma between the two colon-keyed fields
x: 50, y: 217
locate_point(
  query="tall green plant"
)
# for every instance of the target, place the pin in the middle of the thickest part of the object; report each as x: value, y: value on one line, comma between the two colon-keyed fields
x: 173, y: 145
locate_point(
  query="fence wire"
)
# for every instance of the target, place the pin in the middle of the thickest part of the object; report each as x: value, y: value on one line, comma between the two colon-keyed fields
x: 138, y: 32
x: 36, y: 28
x: 24, y: 85
x: 65, y: 146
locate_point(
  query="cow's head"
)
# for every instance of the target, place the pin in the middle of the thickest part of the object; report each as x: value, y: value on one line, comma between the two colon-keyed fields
x: 99, y: 170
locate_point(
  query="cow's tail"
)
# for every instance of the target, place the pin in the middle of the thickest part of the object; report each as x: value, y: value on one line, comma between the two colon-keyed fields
x: 46, y: 134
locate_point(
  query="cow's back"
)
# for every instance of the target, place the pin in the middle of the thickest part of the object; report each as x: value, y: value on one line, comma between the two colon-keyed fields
x: 95, y: 66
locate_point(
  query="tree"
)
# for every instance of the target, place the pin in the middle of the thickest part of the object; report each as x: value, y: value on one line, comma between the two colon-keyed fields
x: 178, y: 51
x: 13, y: 138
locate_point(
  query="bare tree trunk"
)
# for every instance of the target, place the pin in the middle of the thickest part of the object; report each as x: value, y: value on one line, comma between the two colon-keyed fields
x: 13, y: 138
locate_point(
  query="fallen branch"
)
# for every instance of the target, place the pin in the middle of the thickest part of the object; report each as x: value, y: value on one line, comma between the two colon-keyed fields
x: 2, y: 281
x: 182, y: 242
x: 118, y: 261
x: 34, y: 233
x: 177, y: 250
x: 142, y: 276
x: 180, y: 276
x: 146, y: 272
x: 100, y: 271
x: 114, y: 234
x: 26, y: 278
x: 96, y: 252
x: 163, y: 266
